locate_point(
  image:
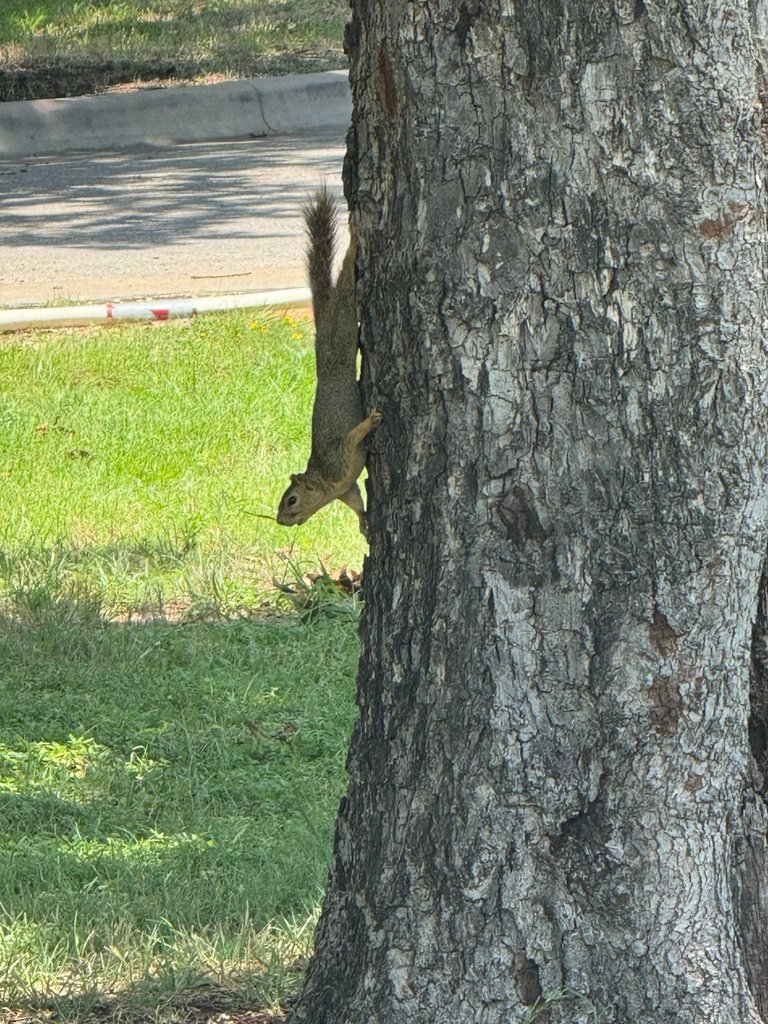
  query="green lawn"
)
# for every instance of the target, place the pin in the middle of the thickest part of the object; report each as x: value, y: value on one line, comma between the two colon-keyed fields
x: 167, y: 786
x: 69, y: 47
x: 135, y: 465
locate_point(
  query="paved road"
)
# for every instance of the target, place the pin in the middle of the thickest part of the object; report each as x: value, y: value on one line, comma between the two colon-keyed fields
x: 188, y: 220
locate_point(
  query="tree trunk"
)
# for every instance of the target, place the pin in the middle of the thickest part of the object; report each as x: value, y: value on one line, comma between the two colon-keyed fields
x: 553, y: 798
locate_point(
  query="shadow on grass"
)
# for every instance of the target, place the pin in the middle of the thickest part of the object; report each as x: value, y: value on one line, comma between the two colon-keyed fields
x: 167, y: 796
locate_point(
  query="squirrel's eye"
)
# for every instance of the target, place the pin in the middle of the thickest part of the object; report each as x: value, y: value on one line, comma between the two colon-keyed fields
x: 292, y: 500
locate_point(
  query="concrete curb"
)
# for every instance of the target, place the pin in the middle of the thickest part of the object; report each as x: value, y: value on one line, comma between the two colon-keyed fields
x: 196, y: 113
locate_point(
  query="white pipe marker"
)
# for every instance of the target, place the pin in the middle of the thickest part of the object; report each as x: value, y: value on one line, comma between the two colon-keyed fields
x: 151, y: 309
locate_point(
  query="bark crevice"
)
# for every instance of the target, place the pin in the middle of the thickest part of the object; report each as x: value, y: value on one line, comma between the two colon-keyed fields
x: 528, y: 980
x: 751, y: 854
x: 758, y: 680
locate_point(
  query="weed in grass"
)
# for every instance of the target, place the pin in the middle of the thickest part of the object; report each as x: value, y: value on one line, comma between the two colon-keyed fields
x: 316, y: 594
x: 29, y: 21
x: 540, y: 1009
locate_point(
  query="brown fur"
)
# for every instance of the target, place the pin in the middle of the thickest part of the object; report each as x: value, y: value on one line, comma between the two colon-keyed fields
x: 339, y: 426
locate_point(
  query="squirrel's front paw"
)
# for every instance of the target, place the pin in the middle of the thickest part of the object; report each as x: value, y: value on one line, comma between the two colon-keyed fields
x: 375, y: 418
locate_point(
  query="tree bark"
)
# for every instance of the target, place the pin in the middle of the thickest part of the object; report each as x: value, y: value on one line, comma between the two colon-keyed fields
x: 553, y: 797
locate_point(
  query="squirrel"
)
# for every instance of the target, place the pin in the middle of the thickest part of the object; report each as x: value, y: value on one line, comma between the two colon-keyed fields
x: 339, y: 426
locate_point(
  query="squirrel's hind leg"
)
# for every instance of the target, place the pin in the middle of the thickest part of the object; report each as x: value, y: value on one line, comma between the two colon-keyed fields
x: 354, y: 499
x: 353, y: 452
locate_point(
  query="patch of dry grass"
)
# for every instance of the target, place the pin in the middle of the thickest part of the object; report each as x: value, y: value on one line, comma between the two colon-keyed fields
x: 71, y: 47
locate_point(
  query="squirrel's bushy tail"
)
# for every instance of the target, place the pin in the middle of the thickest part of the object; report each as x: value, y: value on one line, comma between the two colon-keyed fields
x: 320, y: 219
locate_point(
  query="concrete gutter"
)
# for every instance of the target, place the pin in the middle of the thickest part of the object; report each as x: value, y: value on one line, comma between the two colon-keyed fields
x: 196, y: 113
x: 150, y: 309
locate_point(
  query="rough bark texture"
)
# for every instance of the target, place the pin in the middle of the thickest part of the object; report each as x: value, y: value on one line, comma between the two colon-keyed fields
x: 553, y: 795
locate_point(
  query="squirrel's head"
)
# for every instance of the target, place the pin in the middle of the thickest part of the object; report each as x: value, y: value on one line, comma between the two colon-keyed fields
x: 301, y: 500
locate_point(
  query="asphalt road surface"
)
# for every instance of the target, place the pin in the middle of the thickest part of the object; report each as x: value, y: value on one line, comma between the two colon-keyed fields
x: 188, y: 220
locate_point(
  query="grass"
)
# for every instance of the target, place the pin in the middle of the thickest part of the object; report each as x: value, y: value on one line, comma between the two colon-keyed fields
x: 167, y: 788
x: 135, y: 465
x: 70, y: 47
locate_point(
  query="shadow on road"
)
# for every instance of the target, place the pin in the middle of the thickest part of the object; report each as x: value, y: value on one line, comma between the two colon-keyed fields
x: 213, y: 191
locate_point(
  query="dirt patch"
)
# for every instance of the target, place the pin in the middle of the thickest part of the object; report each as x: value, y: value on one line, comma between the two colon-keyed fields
x: 208, y: 1005
x: 35, y: 81
x: 186, y: 1016
x: 198, y: 1016
x: 46, y: 81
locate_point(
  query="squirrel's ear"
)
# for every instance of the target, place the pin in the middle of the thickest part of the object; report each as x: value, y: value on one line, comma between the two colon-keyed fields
x: 294, y: 477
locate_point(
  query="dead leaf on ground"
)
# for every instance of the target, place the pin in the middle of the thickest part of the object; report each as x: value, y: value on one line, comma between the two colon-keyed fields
x: 305, y: 591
